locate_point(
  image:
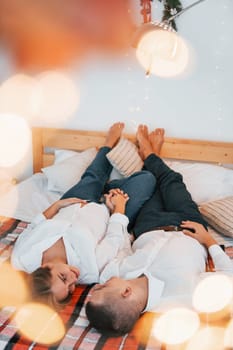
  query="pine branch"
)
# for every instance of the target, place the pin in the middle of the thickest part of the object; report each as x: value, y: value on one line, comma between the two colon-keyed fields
x: 171, y: 7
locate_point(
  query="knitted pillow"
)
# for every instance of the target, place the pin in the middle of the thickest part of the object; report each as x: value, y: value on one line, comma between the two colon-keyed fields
x: 124, y: 158
x: 219, y: 214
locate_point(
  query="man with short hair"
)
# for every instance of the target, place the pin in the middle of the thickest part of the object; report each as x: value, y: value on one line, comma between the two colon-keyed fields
x: 166, y: 262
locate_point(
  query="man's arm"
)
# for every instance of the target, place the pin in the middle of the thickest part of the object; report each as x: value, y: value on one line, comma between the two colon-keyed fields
x: 198, y: 232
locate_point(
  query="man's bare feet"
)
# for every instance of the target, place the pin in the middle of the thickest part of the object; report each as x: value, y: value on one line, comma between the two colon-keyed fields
x: 156, y: 138
x: 145, y: 147
x: 114, y: 134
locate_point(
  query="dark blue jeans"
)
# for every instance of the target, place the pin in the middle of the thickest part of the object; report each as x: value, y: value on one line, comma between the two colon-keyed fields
x: 171, y: 202
x: 93, y: 185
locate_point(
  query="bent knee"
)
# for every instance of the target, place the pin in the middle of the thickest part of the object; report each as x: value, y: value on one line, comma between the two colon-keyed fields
x: 147, y: 179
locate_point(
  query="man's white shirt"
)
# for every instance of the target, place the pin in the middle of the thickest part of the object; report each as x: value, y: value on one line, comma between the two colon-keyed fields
x: 173, y: 264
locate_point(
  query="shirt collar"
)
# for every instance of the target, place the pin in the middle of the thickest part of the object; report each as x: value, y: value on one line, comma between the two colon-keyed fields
x: 155, y: 290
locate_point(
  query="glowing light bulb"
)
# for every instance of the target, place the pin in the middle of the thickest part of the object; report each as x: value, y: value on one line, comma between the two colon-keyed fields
x: 162, y: 53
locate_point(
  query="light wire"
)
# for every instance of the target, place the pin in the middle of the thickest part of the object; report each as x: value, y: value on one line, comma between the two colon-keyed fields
x: 182, y: 11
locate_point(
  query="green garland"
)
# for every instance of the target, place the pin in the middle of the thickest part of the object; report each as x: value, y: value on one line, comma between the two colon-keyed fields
x: 171, y: 7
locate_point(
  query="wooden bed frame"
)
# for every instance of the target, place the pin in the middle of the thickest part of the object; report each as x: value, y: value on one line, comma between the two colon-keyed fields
x: 46, y: 139
x: 79, y: 335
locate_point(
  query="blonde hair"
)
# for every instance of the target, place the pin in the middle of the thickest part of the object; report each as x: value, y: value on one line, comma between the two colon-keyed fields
x: 39, y: 283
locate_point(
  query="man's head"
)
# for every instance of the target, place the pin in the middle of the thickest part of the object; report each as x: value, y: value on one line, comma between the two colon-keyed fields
x: 53, y: 283
x: 113, y: 307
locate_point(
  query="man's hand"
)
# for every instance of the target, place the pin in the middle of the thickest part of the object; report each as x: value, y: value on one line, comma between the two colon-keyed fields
x: 61, y: 203
x: 199, y: 233
x: 116, y: 200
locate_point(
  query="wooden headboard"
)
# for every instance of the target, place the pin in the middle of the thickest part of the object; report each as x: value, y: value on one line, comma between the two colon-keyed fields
x: 79, y: 140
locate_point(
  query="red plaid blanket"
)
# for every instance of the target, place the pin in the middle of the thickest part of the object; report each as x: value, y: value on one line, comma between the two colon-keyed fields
x: 78, y: 333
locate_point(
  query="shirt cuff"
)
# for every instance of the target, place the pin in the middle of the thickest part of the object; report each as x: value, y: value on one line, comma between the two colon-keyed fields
x: 215, y: 249
x: 120, y: 218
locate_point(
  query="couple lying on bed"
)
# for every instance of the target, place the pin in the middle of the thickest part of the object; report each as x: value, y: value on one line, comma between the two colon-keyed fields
x: 80, y: 239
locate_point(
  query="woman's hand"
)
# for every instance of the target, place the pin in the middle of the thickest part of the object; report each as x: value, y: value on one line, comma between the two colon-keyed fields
x: 199, y: 233
x: 62, y: 203
x: 116, y: 201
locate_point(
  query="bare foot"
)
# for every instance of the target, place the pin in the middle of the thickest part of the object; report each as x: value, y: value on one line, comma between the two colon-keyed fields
x: 156, y: 138
x: 114, y: 134
x: 145, y: 147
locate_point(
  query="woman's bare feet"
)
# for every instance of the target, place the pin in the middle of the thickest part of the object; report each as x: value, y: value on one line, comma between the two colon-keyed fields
x: 114, y: 134
x: 156, y: 139
x: 145, y: 147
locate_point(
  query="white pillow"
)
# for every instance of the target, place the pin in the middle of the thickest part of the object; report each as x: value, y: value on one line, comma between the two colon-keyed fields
x: 62, y: 154
x: 66, y: 173
x: 205, y: 182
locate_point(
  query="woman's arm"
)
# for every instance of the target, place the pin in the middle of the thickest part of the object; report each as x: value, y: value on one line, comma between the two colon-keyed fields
x: 62, y: 203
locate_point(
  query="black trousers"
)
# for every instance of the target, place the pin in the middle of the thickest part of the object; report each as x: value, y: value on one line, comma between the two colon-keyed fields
x: 171, y: 202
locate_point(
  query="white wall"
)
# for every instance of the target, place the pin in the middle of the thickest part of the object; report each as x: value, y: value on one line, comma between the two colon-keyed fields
x: 198, y: 106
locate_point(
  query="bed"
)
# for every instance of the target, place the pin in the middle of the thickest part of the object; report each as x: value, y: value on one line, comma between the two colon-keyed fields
x: 52, y: 147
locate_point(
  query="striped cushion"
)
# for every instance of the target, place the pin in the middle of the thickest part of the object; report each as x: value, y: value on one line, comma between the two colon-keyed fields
x: 124, y: 157
x: 219, y: 214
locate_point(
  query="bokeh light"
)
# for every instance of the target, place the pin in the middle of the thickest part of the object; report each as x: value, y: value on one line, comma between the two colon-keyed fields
x: 15, y: 139
x: 49, y: 34
x: 6, y: 182
x: 39, y: 323
x: 176, y: 326
x: 59, y: 97
x: 9, y: 199
x: 208, y: 338
x: 163, y: 53
x: 213, y: 294
x: 228, y: 336
x: 18, y: 95
x: 13, y: 291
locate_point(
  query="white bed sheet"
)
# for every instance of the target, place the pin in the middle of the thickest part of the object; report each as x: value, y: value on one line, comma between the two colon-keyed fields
x: 31, y: 197
x: 28, y: 198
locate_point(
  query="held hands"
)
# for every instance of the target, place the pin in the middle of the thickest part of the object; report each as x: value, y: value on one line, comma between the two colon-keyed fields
x: 199, y: 233
x: 61, y: 203
x: 116, y: 201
